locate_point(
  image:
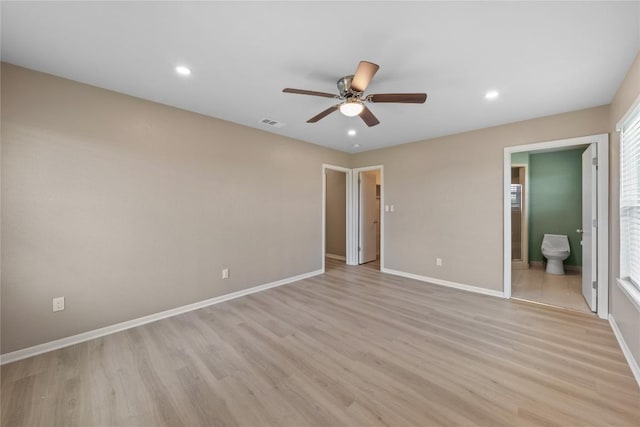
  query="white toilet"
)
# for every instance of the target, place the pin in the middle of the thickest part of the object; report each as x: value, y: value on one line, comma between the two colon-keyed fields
x: 555, y: 248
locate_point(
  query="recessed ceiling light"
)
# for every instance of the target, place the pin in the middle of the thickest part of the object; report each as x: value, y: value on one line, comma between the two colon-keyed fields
x: 356, y: 145
x: 492, y: 94
x: 351, y: 132
x: 182, y: 70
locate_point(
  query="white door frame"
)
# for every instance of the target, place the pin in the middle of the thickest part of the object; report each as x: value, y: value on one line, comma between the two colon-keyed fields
x: 348, y: 178
x: 602, y: 145
x: 355, y: 201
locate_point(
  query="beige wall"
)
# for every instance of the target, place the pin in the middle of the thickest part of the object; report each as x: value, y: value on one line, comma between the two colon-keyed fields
x: 108, y: 200
x: 447, y: 194
x: 126, y: 207
x: 336, y: 229
x: 626, y: 314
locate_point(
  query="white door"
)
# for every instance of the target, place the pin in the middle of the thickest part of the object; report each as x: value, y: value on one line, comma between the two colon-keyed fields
x: 589, y: 230
x: 368, y: 217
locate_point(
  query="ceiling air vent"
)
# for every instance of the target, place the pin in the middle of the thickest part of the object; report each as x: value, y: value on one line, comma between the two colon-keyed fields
x: 273, y: 123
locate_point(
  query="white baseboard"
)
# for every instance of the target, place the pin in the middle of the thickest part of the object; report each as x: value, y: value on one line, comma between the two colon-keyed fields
x: 633, y: 364
x: 446, y: 283
x: 96, y: 333
x: 340, y: 257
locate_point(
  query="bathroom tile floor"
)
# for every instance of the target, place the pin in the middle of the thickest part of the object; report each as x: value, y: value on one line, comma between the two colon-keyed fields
x: 536, y: 285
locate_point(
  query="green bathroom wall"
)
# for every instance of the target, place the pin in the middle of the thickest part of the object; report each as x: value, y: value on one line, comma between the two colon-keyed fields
x: 555, y: 200
x: 520, y: 158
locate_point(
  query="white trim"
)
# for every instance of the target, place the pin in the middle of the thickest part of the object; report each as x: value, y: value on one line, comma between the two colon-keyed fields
x: 338, y: 257
x: 446, y: 283
x: 349, y: 220
x: 96, y: 333
x: 630, y: 291
x: 602, y: 144
x: 355, y: 200
x: 633, y: 364
x: 506, y: 220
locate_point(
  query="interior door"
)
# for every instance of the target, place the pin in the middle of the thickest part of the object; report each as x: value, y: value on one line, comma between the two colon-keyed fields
x: 589, y: 229
x: 368, y: 217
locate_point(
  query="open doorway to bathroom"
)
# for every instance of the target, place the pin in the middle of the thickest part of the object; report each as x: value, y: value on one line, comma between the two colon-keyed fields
x: 555, y: 224
x: 547, y: 200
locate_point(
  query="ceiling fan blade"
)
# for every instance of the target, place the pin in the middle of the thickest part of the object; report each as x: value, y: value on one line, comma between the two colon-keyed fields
x: 363, y: 75
x: 322, y: 115
x: 309, y: 92
x: 368, y: 117
x: 405, y: 98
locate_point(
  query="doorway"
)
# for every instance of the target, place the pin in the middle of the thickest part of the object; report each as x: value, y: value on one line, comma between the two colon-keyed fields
x: 565, y: 194
x: 353, y: 232
x: 369, y: 218
x: 336, y: 214
x: 554, y: 202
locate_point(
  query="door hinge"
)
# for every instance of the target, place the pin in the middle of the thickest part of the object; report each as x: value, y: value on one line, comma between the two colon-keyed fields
x: 359, y: 248
x: 595, y: 223
x: 595, y: 284
x: 594, y: 161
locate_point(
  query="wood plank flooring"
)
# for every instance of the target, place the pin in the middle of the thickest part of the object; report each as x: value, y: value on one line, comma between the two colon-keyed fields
x: 352, y: 347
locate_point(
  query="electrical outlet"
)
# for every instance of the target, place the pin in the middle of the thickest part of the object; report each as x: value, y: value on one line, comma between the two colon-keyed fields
x: 439, y: 262
x: 58, y: 304
x: 225, y: 273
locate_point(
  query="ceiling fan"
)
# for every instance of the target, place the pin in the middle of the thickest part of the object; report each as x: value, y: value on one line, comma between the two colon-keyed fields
x: 353, y: 101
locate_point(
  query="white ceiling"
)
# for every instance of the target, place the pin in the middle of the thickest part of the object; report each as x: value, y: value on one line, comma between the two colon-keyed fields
x: 544, y: 58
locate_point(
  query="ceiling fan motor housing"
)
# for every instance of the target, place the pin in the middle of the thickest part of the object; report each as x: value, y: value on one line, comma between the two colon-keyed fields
x: 344, y: 87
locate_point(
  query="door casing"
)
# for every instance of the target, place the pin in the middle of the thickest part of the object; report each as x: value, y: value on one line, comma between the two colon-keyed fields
x: 589, y: 234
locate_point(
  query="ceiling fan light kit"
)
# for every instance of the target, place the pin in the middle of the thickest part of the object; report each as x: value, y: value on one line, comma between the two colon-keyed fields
x: 351, y: 107
x: 351, y: 89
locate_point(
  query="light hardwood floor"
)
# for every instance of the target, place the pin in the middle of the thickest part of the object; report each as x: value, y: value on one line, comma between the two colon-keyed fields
x: 534, y: 284
x: 352, y: 347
